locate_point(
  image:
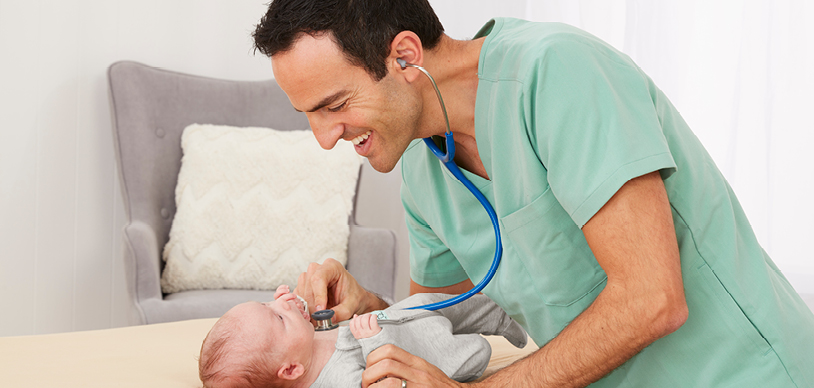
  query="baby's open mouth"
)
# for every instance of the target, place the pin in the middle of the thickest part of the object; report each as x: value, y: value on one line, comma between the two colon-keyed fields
x: 302, y: 305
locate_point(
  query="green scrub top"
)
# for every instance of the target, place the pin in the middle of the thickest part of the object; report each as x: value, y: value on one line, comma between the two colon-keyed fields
x: 562, y: 121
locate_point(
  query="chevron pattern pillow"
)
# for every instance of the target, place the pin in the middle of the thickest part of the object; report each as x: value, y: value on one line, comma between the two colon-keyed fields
x: 255, y: 207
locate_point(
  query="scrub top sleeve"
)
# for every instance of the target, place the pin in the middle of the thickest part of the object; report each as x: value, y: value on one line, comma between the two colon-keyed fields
x: 432, y: 264
x: 595, y: 124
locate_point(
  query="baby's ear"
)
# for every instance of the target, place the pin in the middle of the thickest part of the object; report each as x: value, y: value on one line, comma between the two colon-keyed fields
x: 290, y: 371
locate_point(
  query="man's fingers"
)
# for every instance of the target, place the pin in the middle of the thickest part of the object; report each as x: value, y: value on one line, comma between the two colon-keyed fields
x: 383, y: 369
x: 392, y: 361
x: 389, y: 382
x: 319, y: 290
x: 329, y: 285
x: 390, y: 352
x: 304, y: 291
x: 313, y: 287
x: 325, y: 278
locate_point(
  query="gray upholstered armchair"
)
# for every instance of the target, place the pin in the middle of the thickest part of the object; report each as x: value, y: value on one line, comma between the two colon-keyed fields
x: 150, y: 109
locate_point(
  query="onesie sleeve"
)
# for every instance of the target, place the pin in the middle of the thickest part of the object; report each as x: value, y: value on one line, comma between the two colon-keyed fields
x: 480, y: 314
x: 432, y: 264
x: 595, y: 123
x: 462, y: 357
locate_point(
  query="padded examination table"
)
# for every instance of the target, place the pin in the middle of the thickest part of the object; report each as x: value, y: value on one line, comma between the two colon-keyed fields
x: 156, y: 356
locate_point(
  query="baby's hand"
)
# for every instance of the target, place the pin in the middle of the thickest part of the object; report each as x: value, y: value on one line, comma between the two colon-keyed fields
x: 282, y: 290
x: 364, y: 326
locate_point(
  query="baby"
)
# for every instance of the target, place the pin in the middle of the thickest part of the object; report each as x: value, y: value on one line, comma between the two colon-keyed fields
x: 274, y: 344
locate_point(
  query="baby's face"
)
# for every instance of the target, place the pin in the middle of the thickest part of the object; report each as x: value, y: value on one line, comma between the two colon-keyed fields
x: 290, y: 301
x: 281, y: 326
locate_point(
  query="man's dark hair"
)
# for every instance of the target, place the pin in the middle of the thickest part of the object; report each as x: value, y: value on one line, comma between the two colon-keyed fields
x: 363, y: 29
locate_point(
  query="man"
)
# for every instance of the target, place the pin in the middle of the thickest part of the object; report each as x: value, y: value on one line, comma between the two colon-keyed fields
x: 627, y: 257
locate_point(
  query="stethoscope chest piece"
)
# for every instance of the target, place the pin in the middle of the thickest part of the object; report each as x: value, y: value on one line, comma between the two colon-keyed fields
x: 324, y: 319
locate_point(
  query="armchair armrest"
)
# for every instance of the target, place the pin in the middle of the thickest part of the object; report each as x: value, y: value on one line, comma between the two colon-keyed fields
x: 142, y: 262
x: 372, y: 259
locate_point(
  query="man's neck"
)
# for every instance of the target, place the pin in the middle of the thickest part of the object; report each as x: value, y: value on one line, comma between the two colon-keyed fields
x: 454, y: 66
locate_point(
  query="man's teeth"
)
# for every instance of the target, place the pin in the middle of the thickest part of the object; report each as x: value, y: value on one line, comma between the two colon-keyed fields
x: 360, y: 138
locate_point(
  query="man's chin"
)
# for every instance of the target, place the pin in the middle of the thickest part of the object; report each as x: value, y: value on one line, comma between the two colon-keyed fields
x: 382, y: 166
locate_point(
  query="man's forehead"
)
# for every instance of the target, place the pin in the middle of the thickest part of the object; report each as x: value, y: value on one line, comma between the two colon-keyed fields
x: 320, y: 47
x: 314, y: 73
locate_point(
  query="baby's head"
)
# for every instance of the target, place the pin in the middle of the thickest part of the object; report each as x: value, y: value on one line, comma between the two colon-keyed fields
x: 258, y: 345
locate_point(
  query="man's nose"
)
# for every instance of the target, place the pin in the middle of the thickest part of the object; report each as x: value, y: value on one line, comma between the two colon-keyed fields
x: 327, y: 130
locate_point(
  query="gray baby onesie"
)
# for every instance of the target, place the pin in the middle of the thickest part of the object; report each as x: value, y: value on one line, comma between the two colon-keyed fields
x: 448, y: 338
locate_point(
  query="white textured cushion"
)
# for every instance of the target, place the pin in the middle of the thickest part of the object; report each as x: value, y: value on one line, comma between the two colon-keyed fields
x: 255, y: 206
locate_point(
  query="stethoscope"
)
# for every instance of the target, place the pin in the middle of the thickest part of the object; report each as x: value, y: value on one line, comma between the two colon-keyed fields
x: 324, y: 317
x: 447, y: 159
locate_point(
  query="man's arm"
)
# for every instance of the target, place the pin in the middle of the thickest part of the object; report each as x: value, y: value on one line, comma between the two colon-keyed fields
x: 459, y: 288
x: 634, y: 241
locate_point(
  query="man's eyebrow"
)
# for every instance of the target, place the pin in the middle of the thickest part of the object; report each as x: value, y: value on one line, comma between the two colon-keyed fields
x: 325, y: 101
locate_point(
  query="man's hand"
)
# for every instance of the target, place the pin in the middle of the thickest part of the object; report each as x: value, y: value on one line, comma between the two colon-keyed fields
x: 388, y: 365
x: 364, y: 326
x: 330, y: 286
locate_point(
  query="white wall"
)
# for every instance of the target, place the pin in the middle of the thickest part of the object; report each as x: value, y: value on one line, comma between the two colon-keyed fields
x: 60, y: 207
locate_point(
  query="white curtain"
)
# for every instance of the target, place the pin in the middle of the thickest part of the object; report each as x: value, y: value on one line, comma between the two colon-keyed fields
x: 741, y: 73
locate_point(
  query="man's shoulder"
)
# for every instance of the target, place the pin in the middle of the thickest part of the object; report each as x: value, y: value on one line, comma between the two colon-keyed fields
x: 515, y: 48
x: 518, y: 32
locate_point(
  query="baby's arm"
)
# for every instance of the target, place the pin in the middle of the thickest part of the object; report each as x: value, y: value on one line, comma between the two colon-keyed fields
x: 364, y: 326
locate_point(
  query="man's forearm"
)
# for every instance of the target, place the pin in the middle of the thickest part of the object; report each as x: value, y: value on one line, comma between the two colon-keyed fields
x: 375, y: 302
x: 611, y: 331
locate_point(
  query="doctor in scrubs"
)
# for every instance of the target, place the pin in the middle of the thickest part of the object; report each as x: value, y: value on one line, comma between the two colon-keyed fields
x: 627, y: 256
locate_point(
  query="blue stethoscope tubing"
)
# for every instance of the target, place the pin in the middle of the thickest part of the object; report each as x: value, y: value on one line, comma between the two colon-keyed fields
x: 447, y: 158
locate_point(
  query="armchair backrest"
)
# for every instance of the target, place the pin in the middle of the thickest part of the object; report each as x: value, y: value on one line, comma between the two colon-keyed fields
x: 151, y: 107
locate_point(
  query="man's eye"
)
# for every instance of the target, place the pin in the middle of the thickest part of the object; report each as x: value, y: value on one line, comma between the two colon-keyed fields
x: 337, y: 108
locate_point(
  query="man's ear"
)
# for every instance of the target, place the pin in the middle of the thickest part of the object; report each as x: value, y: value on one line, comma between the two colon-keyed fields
x: 290, y: 371
x: 406, y: 46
